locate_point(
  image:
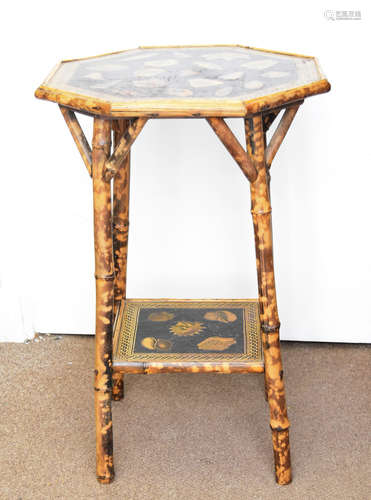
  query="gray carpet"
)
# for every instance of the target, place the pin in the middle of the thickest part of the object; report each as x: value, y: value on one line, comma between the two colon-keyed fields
x: 179, y: 436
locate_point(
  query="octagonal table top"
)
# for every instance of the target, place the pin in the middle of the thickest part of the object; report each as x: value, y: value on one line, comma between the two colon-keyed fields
x: 183, y: 81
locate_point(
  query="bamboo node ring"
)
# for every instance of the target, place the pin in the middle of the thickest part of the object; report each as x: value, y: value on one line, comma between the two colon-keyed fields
x: 267, y: 329
x: 261, y: 212
x: 106, y: 277
x: 279, y: 428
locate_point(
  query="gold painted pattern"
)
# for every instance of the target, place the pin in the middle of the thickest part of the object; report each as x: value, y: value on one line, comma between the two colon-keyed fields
x: 126, y: 329
x: 187, y: 328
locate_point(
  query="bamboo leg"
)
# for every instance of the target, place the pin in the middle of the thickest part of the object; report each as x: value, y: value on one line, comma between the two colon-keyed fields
x: 121, y: 188
x: 261, y: 213
x: 104, y: 301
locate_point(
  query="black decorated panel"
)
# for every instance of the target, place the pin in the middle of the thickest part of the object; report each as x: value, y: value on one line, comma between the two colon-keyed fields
x: 190, y: 330
x: 213, y: 330
x: 235, y: 73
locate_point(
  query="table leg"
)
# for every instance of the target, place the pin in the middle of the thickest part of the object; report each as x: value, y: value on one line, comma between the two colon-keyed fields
x: 104, y: 300
x: 261, y: 213
x: 121, y: 191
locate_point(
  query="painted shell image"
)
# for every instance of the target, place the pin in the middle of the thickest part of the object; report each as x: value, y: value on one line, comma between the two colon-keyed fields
x: 154, y: 344
x: 216, y: 343
x: 183, y: 328
x: 222, y: 316
x: 161, y: 316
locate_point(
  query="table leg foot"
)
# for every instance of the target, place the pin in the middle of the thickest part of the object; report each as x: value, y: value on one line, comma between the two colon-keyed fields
x: 279, y: 421
x: 104, y: 439
x: 281, y: 450
x: 105, y: 480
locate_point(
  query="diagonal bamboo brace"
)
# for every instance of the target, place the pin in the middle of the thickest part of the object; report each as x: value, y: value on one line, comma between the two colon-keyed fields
x: 234, y: 147
x: 280, y: 133
x: 123, y: 147
x: 269, y: 118
x: 78, y: 136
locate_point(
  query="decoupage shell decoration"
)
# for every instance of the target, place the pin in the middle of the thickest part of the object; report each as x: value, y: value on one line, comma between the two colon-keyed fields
x: 222, y: 316
x: 184, y: 328
x: 216, y: 343
x: 153, y: 344
x: 161, y: 316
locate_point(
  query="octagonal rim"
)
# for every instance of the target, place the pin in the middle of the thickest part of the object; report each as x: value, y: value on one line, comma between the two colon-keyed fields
x: 168, y: 108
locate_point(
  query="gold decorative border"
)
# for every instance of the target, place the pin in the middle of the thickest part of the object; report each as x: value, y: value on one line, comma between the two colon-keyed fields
x: 126, y: 328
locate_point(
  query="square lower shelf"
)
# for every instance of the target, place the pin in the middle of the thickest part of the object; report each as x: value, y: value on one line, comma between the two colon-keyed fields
x: 170, y: 335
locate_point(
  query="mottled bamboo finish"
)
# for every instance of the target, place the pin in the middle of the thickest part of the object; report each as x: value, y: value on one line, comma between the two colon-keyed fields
x: 177, y: 108
x: 188, y: 367
x: 121, y: 191
x: 261, y: 213
x: 104, y: 275
x: 123, y: 147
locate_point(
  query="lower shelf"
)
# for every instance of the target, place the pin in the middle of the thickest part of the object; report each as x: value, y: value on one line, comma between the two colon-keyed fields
x: 170, y: 335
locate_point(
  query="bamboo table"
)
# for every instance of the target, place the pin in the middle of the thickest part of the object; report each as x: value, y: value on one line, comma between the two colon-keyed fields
x: 121, y: 91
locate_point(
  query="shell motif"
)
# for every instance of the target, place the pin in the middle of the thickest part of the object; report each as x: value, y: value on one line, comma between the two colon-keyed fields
x: 161, y: 316
x: 149, y: 343
x: 153, y: 344
x: 222, y: 316
x: 183, y: 328
x: 163, y: 345
x: 216, y: 343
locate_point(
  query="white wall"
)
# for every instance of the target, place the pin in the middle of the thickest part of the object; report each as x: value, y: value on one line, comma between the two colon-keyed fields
x: 191, y: 233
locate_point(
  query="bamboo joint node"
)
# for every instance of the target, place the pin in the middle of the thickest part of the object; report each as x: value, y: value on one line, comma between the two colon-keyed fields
x: 106, y: 277
x: 278, y: 428
x: 261, y: 212
x: 267, y: 329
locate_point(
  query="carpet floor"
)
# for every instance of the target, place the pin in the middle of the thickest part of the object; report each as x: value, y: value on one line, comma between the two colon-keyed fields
x: 183, y: 436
